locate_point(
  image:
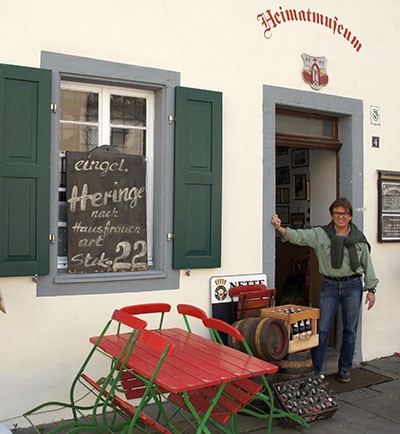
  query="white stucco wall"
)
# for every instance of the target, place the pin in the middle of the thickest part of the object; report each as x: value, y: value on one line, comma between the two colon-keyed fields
x: 217, y: 45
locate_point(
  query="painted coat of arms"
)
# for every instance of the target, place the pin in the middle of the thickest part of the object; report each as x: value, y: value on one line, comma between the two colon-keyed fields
x: 314, y: 71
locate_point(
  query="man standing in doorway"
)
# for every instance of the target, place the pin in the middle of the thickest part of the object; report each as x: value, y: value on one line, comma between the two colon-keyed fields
x: 343, y: 255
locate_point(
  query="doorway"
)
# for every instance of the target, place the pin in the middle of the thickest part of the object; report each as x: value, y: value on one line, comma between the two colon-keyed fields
x: 306, y: 182
x: 348, y: 163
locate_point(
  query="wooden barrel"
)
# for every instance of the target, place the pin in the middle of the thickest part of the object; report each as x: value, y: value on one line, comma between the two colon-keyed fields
x: 295, y: 365
x: 267, y: 337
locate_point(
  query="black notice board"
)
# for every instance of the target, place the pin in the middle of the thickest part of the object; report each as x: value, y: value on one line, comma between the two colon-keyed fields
x: 389, y: 206
x: 390, y: 227
x: 106, y: 211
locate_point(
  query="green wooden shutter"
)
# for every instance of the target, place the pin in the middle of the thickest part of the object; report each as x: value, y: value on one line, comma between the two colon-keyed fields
x: 24, y: 170
x: 198, y: 179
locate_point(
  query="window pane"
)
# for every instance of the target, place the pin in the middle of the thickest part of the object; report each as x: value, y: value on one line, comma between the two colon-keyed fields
x: 75, y: 137
x: 127, y: 110
x: 308, y: 126
x: 79, y: 106
x: 62, y: 241
x: 130, y: 141
x: 62, y: 169
x: 62, y: 211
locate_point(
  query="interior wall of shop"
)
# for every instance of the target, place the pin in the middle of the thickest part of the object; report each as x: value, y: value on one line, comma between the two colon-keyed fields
x: 322, y: 184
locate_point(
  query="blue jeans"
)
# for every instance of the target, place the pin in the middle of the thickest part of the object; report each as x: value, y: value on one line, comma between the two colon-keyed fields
x: 349, y: 294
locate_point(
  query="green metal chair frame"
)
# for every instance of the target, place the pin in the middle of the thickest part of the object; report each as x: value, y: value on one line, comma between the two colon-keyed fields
x: 135, y: 417
x: 101, y: 415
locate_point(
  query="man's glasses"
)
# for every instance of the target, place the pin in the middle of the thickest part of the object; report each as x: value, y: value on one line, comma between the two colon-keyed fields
x: 340, y: 214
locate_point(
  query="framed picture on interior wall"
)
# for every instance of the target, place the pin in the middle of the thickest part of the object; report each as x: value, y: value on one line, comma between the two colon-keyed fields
x: 282, y: 175
x: 300, y: 187
x: 298, y: 220
x: 300, y: 158
x: 282, y: 195
x: 283, y: 213
x: 285, y: 195
x: 282, y: 150
x: 278, y: 198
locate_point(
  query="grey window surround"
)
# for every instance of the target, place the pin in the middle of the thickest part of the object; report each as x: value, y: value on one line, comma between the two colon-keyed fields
x: 161, y: 276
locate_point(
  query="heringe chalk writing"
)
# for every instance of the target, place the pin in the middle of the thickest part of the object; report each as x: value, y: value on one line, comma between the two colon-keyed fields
x: 98, y: 198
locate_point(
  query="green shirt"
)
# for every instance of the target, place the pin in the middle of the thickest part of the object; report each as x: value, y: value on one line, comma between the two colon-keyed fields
x: 317, y: 239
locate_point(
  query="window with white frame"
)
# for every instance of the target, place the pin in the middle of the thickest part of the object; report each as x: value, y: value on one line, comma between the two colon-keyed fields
x: 96, y: 115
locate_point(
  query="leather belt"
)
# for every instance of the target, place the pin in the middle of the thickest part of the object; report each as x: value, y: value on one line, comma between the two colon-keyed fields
x: 341, y: 279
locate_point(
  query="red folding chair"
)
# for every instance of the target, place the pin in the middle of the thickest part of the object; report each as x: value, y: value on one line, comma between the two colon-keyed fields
x: 250, y: 300
x: 133, y: 386
x: 187, y: 310
x: 146, y: 308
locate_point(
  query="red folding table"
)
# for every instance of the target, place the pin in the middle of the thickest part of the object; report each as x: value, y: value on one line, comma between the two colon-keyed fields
x: 196, y: 363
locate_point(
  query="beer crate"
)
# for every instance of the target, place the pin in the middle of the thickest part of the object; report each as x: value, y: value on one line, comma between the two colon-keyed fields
x: 280, y: 312
x: 309, y: 398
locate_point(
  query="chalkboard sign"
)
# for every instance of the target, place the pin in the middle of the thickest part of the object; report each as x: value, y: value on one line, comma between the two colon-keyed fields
x: 106, y: 211
x: 389, y: 206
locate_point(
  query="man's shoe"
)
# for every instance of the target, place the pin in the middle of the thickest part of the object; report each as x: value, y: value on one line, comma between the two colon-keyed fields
x: 344, y: 376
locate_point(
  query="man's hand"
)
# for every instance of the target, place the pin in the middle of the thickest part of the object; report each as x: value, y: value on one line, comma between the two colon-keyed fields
x: 370, y: 300
x: 276, y: 221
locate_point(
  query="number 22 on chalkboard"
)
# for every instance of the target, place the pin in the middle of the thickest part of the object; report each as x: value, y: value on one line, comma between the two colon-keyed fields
x: 124, y: 250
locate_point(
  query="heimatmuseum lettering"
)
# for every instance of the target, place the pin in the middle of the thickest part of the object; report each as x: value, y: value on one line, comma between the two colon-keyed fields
x: 270, y: 20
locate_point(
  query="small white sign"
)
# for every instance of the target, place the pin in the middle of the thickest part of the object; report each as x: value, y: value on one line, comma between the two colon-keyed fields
x: 220, y: 285
x: 375, y: 115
